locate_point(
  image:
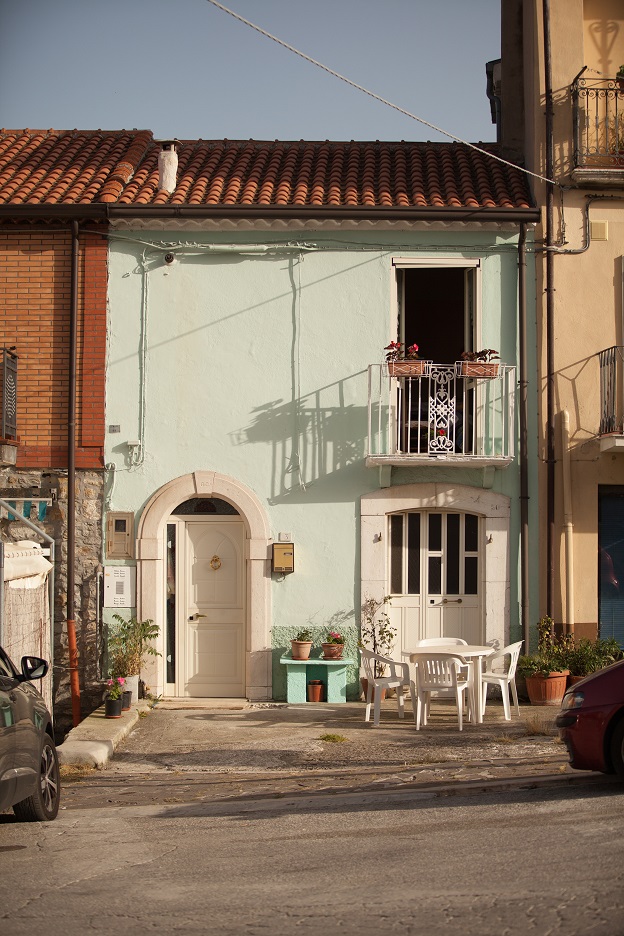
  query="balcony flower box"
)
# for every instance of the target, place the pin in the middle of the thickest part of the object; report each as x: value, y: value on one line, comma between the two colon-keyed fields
x: 409, y: 368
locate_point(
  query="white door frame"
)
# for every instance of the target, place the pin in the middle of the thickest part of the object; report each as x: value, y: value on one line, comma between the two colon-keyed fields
x: 494, y: 570
x: 151, y: 572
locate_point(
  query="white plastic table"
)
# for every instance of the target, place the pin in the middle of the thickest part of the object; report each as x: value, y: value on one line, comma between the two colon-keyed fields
x: 472, y: 654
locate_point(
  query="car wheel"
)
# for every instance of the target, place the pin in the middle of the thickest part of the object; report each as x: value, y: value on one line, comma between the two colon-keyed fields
x: 43, y: 805
x: 617, y: 748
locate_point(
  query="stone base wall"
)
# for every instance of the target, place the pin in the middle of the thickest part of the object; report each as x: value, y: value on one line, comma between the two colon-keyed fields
x: 26, y: 483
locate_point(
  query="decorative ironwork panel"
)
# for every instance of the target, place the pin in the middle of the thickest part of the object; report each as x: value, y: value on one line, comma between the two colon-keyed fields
x: 9, y: 394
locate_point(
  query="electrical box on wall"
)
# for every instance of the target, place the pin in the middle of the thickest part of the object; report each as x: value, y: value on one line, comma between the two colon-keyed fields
x: 119, y: 587
x: 283, y: 557
x: 120, y: 535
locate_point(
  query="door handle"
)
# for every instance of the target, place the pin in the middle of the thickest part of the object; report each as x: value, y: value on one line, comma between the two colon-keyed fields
x: 451, y: 601
x: 196, y: 617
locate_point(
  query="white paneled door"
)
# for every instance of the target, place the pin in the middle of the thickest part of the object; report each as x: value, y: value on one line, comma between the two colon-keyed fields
x: 212, y: 651
x: 435, y: 576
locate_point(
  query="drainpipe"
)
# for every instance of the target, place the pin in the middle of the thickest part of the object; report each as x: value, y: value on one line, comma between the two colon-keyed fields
x: 524, y: 453
x: 71, y: 478
x: 568, y: 526
x: 550, y: 329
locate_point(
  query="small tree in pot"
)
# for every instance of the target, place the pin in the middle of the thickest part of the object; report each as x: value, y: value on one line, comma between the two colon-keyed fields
x: 376, y: 631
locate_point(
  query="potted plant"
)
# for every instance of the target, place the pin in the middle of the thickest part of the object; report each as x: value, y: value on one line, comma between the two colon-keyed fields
x: 376, y: 634
x: 301, y: 645
x: 546, y: 671
x: 405, y: 362
x: 619, y: 77
x: 127, y: 647
x: 114, y: 697
x: 589, y: 656
x: 333, y: 646
x: 478, y: 364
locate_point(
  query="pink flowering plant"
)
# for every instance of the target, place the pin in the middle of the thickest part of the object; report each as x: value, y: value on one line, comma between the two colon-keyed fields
x: 334, y: 637
x: 115, y: 687
x: 395, y: 352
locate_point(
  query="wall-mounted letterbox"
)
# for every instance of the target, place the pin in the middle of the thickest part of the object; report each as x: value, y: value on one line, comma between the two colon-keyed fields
x: 283, y: 557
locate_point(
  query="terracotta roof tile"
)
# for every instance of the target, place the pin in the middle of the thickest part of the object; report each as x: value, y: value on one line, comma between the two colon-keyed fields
x: 121, y: 168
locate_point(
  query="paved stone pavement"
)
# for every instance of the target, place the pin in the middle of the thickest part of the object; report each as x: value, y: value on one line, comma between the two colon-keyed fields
x: 187, y: 751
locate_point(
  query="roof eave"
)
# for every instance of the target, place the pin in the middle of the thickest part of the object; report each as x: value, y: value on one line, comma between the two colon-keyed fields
x: 109, y: 212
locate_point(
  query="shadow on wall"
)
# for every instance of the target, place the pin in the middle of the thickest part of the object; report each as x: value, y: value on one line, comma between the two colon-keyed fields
x: 312, y: 438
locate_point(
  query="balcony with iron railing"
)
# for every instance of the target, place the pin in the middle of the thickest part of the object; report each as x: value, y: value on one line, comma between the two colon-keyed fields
x: 611, y: 399
x: 441, y: 416
x: 598, y: 109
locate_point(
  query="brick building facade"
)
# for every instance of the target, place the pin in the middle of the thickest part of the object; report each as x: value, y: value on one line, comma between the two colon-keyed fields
x: 35, y: 304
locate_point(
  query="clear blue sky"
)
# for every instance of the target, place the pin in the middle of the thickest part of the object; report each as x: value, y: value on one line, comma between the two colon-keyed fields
x: 184, y: 68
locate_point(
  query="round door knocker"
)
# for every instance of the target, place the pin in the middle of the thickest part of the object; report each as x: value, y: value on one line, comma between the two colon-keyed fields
x: 215, y: 563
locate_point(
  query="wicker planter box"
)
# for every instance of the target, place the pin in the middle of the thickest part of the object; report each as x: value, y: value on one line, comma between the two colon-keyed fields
x: 409, y: 368
x: 486, y: 369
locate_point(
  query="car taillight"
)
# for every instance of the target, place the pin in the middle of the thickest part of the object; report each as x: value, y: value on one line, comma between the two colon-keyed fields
x: 572, y: 700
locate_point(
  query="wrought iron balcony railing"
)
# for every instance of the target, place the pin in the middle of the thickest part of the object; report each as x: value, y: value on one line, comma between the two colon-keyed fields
x: 612, y: 392
x: 441, y: 414
x: 598, y: 106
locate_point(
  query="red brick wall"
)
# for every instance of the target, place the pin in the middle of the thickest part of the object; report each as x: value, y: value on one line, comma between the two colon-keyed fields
x: 35, y: 284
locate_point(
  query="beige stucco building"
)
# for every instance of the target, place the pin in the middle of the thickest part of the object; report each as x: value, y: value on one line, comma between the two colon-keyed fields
x: 562, y: 112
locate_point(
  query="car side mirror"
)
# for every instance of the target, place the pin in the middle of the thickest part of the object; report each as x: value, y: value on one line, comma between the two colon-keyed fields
x: 33, y: 667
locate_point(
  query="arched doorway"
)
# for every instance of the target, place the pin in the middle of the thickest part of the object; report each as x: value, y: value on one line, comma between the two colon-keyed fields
x: 216, y: 643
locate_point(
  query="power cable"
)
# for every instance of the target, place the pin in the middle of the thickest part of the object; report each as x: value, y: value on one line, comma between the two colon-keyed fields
x: 377, y: 97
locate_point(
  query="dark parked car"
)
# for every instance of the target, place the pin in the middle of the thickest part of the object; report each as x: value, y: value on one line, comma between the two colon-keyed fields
x: 29, y: 770
x: 591, y: 721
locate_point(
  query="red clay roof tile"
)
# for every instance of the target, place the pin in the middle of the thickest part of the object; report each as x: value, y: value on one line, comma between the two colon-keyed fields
x: 121, y: 168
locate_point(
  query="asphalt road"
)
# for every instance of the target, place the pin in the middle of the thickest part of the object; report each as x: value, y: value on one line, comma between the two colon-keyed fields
x: 543, y: 861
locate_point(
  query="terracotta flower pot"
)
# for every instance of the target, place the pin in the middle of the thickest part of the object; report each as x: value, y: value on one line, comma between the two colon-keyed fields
x: 316, y: 691
x: 364, y: 683
x: 332, y: 651
x: 300, y: 649
x: 547, y: 690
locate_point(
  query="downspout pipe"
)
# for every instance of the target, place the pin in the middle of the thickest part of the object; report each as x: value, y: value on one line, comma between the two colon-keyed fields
x: 71, y: 477
x: 568, y: 525
x: 524, y: 448
x: 550, y: 325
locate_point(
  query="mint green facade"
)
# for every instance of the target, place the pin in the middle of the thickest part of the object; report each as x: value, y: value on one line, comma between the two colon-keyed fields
x: 254, y: 365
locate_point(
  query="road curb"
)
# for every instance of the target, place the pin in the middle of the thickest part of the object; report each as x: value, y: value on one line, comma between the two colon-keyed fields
x: 93, y: 742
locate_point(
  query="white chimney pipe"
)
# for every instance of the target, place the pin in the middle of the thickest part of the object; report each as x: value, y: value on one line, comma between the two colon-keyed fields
x: 168, y: 167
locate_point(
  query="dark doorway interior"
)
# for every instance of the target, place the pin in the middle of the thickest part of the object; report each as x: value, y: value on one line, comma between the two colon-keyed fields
x: 434, y: 312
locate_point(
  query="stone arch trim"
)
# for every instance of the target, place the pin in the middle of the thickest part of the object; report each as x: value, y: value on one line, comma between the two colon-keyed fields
x: 496, y: 512
x: 151, y: 569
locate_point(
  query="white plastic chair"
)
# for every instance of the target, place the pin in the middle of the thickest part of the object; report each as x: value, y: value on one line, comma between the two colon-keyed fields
x: 506, y: 680
x: 444, y: 674
x: 399, y: 679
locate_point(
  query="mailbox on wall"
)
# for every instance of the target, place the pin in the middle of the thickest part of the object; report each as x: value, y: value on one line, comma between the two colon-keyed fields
x: 283, y: 557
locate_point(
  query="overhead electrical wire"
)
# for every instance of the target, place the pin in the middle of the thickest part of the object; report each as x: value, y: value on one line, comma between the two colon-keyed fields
x: 377, y: 97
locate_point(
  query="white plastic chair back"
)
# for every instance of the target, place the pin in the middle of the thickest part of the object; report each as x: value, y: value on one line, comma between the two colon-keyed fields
x: 438, y: 671
x: 444, y: 674
x: 441, y: 641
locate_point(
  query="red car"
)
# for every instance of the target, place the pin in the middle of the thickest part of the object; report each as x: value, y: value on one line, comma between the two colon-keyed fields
x: 591, y: 721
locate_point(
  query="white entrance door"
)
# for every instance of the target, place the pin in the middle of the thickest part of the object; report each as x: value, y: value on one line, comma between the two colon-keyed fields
x: 212, y: 651
x: 435, y: 576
